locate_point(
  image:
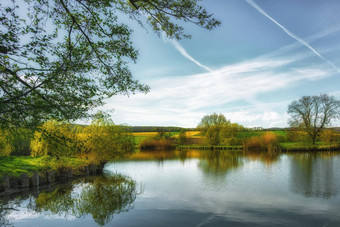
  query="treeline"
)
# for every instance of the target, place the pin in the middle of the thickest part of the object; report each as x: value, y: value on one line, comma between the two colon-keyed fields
x: 101, y: 141
x: 154, y: 128
x: 217, y: 130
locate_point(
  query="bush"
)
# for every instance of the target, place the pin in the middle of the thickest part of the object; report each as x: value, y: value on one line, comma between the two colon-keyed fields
x: 266, y: 142
x: 269, y: 141
x: 232, y: 141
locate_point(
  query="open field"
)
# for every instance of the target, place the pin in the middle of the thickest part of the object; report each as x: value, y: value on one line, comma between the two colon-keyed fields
x: 140, y: 136
x: 190, y: 134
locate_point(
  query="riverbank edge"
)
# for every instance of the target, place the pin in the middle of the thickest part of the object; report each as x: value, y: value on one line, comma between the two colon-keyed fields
x: 241, y: 148
x: 14, y: 184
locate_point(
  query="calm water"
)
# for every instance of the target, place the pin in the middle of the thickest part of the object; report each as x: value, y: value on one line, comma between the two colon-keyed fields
x: 191, y: 188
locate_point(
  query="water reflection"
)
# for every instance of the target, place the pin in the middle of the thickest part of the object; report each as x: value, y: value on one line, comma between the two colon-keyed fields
x: 211, y: 162
x: 218, y: 163
x: 267, y: 158
x: 312, y: 174
x: 161, y: 156
x: 99, y: 196
x: 192, y: 188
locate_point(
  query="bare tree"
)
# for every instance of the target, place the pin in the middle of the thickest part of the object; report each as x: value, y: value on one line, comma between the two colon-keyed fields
x: 314, y: 113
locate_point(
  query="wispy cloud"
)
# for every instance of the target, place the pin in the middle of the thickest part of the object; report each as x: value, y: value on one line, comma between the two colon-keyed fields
x: 185, y: 54
x: 297, y: 38
x: 183, y: 100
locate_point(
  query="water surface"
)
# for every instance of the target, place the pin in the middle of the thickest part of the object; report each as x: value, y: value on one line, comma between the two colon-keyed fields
x: 191, y: 188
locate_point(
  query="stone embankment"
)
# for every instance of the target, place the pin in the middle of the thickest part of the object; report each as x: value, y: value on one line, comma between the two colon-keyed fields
x: 11, y: 184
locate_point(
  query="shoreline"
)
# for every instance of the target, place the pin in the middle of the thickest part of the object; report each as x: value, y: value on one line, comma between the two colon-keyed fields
x: 14, y: 184
x: 240, y: 148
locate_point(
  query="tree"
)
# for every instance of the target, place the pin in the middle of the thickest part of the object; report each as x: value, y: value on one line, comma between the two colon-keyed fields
x: 55, y: 139
x: 211, y: 126
x: 182, y: 137
x: 103, y: 140
x: 6, y: 147
x: 231, y: 134
x: 314, y: 113
x: 64, y: 57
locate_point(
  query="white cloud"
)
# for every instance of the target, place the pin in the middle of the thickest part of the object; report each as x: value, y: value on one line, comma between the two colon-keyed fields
x: 183, y: 100
x: 232, y: 90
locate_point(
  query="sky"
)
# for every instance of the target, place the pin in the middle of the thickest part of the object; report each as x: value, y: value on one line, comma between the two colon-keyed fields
x: 265, y: 54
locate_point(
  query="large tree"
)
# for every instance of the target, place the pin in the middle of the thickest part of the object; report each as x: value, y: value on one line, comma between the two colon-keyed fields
x: 211, y: 126
x: 314, y: 113
x: 60, y: 58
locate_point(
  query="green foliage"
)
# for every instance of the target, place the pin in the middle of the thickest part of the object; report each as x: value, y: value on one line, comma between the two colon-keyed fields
x: 103, y: 140
x: 55, y: 139
x: 59, y: 59
x: 6, y: 147
x: 21, y: 139
x: 99, y: 142
x: 231, y: 134
x: 211, y: 126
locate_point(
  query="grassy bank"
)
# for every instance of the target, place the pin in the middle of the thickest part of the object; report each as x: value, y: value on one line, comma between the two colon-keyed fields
x: 303, y: 146
x: 16, y: 165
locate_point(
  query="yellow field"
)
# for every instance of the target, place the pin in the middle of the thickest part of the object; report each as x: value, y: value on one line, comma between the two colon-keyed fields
x: 144, y: 133
x: 190, y: 134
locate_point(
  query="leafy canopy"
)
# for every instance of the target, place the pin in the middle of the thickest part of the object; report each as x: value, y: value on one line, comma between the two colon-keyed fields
x: 211, y: 126
x: 60, y: 58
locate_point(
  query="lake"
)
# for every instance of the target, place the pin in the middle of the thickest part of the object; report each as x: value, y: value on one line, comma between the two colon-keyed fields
x: 190, y: 188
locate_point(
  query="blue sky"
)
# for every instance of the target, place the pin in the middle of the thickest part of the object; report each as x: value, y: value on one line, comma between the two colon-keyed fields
x: 265, y: 54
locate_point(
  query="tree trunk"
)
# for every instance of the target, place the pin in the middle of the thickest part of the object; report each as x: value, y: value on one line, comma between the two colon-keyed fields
x: 313, y: 139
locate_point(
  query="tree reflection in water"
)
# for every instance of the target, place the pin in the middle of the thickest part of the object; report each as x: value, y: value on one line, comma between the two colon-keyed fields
x: 267, y: 158
x: 312, y: 175
x: 219, y: 162
x: 100, y: 196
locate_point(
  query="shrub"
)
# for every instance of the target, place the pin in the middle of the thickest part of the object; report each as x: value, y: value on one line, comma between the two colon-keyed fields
x: 253, y: 144
x: 232, y: 141
x: 266, y: 142
x: 269, y: 141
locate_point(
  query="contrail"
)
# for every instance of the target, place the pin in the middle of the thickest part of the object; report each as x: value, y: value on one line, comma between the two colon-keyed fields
x: 303, y: 42
x: 184, y: 52
x: 186, y: 55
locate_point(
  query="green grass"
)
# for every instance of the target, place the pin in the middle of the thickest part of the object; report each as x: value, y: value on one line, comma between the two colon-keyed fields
x: 139, y: 139
x: 174, y: 133
x: 280, y: 133
x: 16, y: 165
x: 294, y: 145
